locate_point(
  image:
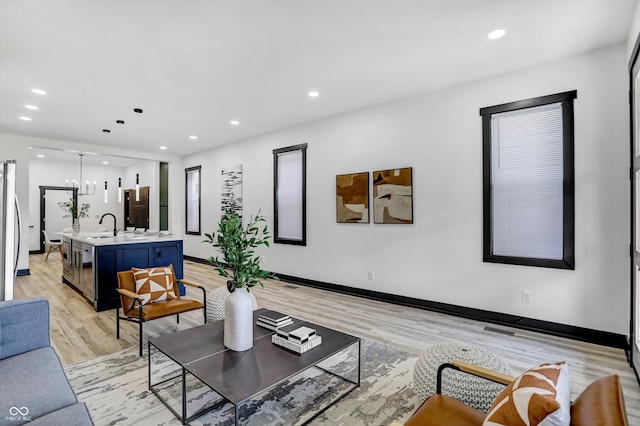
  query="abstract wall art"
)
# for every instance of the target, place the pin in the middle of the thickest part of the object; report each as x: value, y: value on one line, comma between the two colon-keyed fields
x: 352, y: 198
x: 231, y: 196
x: 393, y: 196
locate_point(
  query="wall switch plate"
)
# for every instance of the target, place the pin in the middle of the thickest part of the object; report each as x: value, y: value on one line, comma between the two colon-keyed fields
x: 526, y: 297
x: 372, y: 276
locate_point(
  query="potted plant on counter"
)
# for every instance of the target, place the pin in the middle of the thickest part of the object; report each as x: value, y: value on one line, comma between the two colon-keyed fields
x: 241, y: 266
x: 71, y: 209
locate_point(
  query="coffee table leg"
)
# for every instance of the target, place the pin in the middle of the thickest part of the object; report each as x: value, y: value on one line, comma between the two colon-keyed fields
x: 184, y: 397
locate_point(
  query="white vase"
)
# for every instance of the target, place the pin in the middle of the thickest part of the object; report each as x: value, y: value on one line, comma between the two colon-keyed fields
x: 238, y: 321
x: 76, y: 225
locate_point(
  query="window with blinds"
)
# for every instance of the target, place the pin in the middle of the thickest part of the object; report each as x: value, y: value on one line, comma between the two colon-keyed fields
x: 528, y: 182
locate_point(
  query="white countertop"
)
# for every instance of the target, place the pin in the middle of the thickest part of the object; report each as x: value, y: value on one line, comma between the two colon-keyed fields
x: 107, y: 238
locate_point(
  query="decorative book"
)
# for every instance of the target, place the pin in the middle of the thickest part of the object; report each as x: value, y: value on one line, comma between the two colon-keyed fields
x: 298, y: 348
x: 273, y: 320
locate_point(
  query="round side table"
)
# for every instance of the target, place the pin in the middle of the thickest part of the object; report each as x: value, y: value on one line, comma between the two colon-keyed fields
x: 472, y: 390
x: 215, y: 303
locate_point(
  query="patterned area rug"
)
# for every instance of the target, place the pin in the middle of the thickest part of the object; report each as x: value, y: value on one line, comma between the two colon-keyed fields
x: 115, y: 388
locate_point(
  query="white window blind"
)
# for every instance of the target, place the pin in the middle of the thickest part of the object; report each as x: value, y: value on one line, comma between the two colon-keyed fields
x: 527, y: 182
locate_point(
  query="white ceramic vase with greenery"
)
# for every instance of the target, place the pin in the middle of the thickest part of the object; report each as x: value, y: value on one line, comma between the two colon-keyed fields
x: 75, y: 212
x: 240, y: 264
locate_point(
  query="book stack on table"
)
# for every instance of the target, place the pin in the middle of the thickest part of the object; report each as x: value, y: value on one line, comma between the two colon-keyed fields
x: 273, y: 320
x: 295, y: 338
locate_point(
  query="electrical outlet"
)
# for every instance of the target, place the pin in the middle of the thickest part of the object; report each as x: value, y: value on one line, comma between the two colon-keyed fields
x: 526, y: 296
x: 372, y: 276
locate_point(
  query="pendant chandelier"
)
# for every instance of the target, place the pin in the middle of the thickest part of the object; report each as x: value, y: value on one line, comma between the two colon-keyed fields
x: 83, y: 189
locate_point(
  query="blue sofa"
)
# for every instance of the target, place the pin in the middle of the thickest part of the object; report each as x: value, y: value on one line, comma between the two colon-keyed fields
x: 33, y: 386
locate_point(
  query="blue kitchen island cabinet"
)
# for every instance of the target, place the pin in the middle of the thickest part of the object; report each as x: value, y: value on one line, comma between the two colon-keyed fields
x: 103, y: 257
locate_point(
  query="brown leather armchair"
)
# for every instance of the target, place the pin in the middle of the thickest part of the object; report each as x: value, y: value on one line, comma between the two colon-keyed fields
x: 135, y: 311
x: 601, y: 403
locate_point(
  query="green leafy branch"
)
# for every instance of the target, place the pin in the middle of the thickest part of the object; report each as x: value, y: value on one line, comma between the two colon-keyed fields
x: 71, y: 209
x: 237, y: 245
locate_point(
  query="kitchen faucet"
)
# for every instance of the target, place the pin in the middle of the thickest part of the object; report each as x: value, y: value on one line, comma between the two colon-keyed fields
x: 115, y: 231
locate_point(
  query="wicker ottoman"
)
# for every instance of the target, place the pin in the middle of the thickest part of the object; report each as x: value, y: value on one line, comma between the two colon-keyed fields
x: 471, y: 390
x: 215, y: 303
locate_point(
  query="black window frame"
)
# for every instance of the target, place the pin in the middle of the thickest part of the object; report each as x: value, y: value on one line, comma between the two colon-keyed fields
x: 568, y: 260
x: 276, y: 206
x: 187, y: 213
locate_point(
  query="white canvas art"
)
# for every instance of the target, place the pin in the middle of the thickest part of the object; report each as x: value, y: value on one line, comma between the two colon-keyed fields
x: 231, y: 196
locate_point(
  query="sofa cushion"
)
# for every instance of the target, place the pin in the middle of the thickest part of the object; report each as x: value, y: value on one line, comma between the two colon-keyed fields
x: 16, y: 316
x: 155, y: 284
x: 33, y: 381
x: 541, y: 396
x: 72, y: 415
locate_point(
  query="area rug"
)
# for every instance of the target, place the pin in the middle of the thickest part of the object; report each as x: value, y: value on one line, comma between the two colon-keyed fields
x: 115, y: 388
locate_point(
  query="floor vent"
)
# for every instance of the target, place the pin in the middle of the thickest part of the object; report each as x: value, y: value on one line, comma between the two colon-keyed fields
x: 498, y: 330
x: 293, y: 287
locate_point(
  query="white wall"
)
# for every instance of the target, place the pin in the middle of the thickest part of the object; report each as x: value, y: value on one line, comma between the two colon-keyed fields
x: 439, y: 257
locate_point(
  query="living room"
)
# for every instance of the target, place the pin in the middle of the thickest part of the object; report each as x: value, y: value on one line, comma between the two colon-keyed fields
x: 435, y: 262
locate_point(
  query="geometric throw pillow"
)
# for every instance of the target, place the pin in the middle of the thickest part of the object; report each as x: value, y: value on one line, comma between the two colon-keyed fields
x: 154, y: 284
x: 540, y: 396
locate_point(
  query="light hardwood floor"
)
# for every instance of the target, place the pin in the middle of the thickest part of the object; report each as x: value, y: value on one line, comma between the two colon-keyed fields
x: 79, y: 333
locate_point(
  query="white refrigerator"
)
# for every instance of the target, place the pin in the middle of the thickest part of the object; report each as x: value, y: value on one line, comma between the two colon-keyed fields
x: 9, y: 228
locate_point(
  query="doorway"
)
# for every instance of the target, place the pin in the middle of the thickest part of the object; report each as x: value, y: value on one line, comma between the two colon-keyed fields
x: 51, y: 216
x: 136, y: 213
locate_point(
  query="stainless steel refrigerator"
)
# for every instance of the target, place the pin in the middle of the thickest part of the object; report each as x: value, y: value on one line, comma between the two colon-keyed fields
x: 9, y: 228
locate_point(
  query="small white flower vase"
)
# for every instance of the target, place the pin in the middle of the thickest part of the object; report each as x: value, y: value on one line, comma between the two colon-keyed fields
x: 238, y: 321
x: 76, y: 225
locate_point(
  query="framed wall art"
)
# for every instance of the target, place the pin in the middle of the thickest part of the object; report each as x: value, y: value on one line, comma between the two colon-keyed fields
x: 352, y: 198
x: 231, y: 195
x: 393, y: 196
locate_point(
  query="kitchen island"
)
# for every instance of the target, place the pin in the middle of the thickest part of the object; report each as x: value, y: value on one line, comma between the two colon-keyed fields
x: 91, y: 261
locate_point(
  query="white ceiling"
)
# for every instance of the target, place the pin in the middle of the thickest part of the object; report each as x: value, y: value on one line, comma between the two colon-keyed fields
x: 193, y: 66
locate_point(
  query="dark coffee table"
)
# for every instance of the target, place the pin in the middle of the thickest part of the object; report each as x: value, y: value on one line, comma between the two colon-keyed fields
x: 199, y: 355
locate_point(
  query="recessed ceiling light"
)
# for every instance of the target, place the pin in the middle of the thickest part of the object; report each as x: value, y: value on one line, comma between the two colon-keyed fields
x: 39, y: 91
x: 105, y: 162
x: 496, y: 34
x: 163, y: 147
x: 234, y: 122
x: 40, y: 156
x: 194, y: 137
x: 31, y: 107
x: 23, y: 118
x: 313, y: 94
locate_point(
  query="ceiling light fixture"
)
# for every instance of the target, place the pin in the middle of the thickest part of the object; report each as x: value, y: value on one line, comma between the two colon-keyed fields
x: 193, y: 137
x: 106, y: 193
x: 40, y: 156
x: 496, y: 34
x: 234, y: 122
x: 23, y: 118
x: 76, y: 184
x: 120, y: 179
x: 313, y: 94
x: 163, y: 147
x: 39, y: 91
x: 33, y: 107
x: 139, y: 112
